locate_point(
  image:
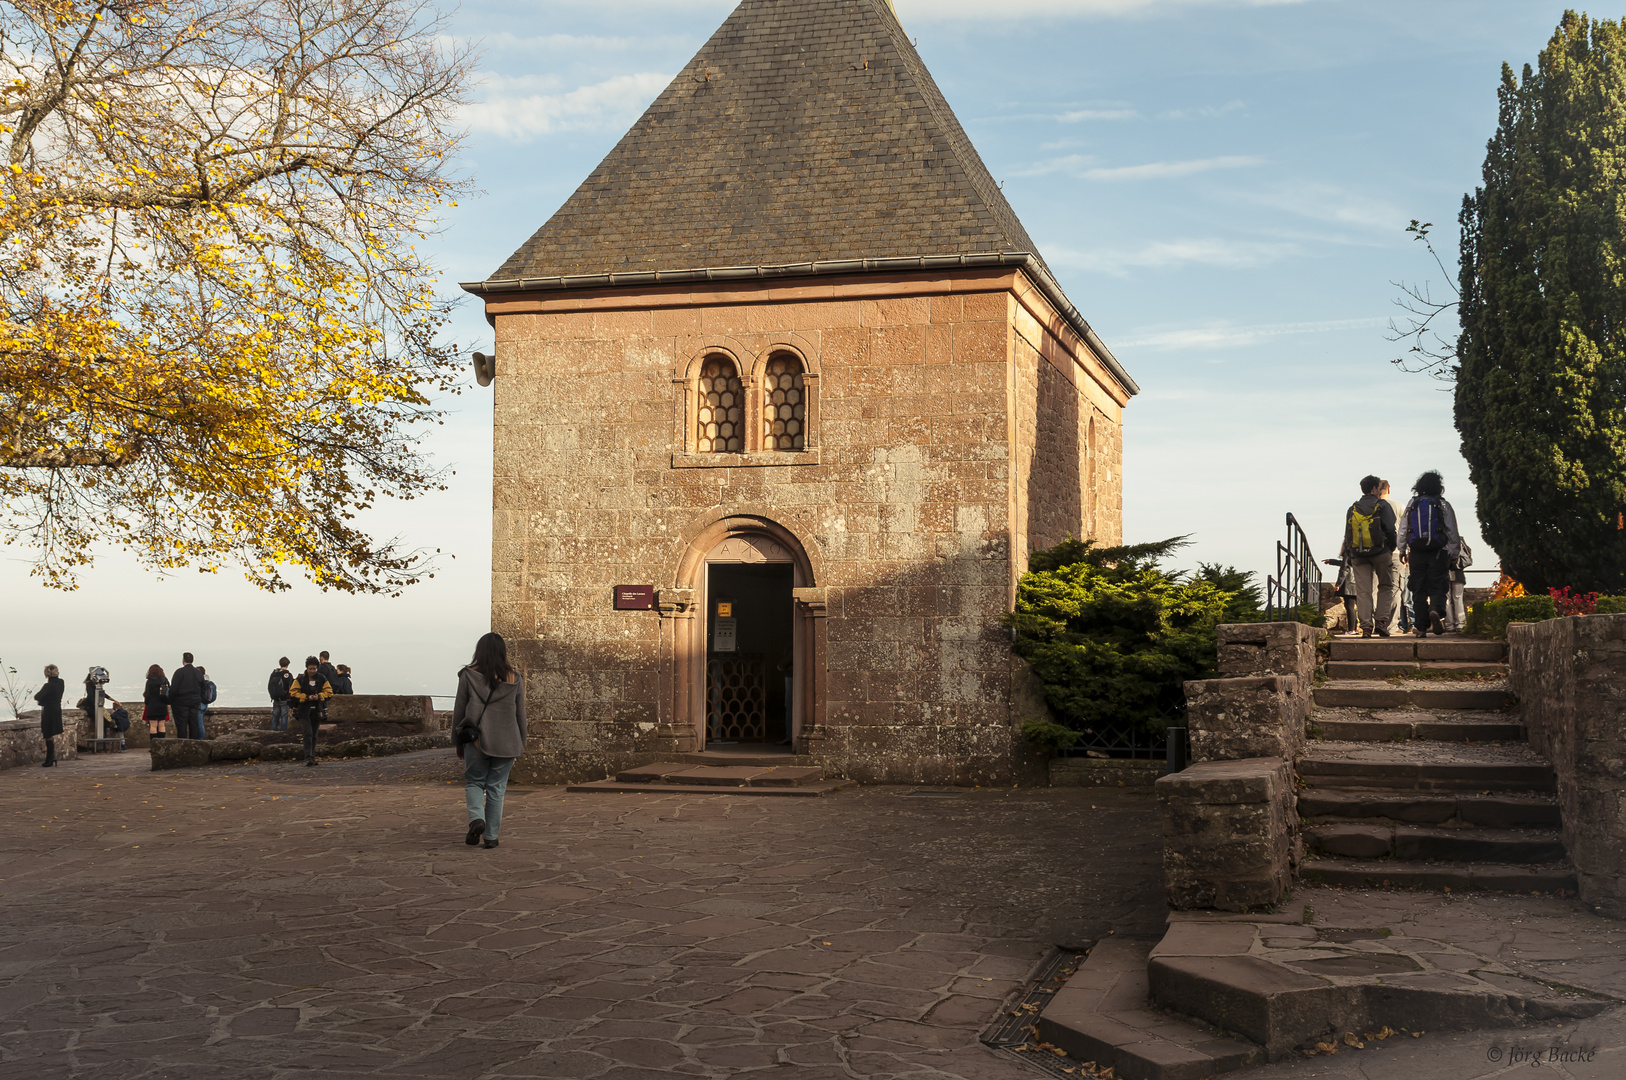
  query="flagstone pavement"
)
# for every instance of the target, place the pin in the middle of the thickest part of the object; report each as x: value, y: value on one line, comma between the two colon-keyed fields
x: 271, y: 921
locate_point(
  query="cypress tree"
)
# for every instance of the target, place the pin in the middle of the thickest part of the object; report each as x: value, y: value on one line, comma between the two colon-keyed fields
x: 1541, y: 392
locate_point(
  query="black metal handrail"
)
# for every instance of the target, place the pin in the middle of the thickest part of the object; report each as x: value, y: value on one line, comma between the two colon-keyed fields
x: 1297, y: 580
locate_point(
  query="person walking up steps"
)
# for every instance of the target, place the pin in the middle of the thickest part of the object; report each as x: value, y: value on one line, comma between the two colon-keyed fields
x: 310, y: 691
x: 1369, y: 545
x: 1429, y: 543
x: 488, y: 728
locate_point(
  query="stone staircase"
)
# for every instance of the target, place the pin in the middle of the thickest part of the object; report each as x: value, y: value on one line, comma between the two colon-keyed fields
x: 720, y: 774
x: 1426, y: 782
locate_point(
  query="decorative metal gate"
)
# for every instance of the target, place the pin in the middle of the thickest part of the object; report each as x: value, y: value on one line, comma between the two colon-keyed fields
x: 736, y: 698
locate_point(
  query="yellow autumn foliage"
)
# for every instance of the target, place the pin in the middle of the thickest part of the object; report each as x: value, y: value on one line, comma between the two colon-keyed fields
x: 217, y: 337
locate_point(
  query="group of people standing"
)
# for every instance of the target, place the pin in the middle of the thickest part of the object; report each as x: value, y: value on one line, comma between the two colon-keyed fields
x: 305, y: 695
x: 1390, y: 555
x: 488, y: 717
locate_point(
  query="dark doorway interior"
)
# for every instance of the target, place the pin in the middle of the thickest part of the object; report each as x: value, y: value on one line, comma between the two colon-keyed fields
x: 749, y: 655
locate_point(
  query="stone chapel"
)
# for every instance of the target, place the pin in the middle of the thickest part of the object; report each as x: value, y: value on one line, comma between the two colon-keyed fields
x: 784, y: 398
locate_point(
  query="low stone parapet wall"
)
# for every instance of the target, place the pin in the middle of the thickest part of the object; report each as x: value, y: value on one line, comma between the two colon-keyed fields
x: 383, y: 709
x: 194, y: 753
x: 1229, y: 831
x: 1104, y: 772
x: 22, y: 744
x: 1570, y: 677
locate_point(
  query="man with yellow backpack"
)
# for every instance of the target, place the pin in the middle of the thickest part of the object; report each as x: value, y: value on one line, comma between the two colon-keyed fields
x: 1369, y: 545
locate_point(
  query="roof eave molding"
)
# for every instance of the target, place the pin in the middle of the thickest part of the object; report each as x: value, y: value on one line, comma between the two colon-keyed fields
x: 1026, y: 261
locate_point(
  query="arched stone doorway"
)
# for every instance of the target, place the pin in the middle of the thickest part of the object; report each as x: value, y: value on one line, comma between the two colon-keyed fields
x: 748, y: 640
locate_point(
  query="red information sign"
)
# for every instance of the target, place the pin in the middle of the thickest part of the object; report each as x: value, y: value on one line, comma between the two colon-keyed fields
x: 634, y: 597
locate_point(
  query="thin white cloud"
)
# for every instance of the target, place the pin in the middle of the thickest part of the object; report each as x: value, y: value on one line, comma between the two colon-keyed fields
x: 1084, y: 167
x: 1222, y: 336
x: 1169, y: 170
x: 1329, y: 203
x: 1206, y: 112
x: 928, y: 10
x: 1079, y: 115
x: 515, y: 109
x: 1174, y: 254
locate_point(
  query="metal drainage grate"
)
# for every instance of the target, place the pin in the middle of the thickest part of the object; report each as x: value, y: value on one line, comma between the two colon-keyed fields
x: 1016, y: 1029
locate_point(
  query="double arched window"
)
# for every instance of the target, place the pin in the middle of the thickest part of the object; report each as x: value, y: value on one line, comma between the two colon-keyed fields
x: 740, y: 407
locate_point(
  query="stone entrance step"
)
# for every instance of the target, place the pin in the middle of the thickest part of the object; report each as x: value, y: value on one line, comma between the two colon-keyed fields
x: 733, y: 779
x: 1423, y: 843
x: 1425, y: 767
x: 1354, y: 725
x: 1486, y: 811
x: 1418, y: 694
x: 1387, y: 669
x: 1458, y: 876
x: 1102, y: 1015
x: 1285, y: 985
x: 1411, y: 648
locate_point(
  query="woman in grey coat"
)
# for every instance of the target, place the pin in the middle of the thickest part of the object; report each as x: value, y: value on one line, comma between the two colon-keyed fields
x: 488, y: 728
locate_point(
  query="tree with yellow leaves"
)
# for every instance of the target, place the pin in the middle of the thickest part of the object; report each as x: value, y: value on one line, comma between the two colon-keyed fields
x: 217, y: 338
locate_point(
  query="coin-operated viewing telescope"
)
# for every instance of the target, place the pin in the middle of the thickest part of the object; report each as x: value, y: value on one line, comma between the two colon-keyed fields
x: 95, y: 699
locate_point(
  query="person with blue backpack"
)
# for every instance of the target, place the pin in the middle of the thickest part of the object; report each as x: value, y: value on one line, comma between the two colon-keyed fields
x: 1429, y: 545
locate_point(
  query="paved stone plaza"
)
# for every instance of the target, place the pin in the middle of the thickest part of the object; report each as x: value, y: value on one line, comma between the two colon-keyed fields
x: 273, y: 921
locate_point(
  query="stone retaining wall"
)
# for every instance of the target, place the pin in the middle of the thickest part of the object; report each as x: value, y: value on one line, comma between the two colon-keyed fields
x: 1570, y: 677
x: 1230, y: 821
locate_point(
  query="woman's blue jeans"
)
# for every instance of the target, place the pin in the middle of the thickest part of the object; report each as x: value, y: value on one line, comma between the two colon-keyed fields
x: 484, y: 781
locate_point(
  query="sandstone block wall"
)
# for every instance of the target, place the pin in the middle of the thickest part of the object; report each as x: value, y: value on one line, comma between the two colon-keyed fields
x: 1570, y: 677
x: 1227, y: 834
x: 1231, y: 719
x: 1230, y: 821
x: 904, y: 500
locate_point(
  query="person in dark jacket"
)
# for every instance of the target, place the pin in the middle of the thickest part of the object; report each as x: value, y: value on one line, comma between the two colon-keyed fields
x: 1429, y: 543
x: 156, y: 698
x: 341, y: 681
x: 331, y: 674
x: 488, y: 729
x: 310, y: 691
x: 277, y: 686
x: 49, y: 700
x: 1369, y: 545
x: 185, y: 696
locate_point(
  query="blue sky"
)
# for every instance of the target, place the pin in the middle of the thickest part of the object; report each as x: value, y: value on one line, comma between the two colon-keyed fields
x: 1221, y: 187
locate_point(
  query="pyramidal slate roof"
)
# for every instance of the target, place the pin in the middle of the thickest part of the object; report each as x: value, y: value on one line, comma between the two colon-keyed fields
x: 805, y: 132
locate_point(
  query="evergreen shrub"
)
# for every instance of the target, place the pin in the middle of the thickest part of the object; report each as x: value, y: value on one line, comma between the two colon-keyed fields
x: 1113, y: 637
x: 1490, y: 618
